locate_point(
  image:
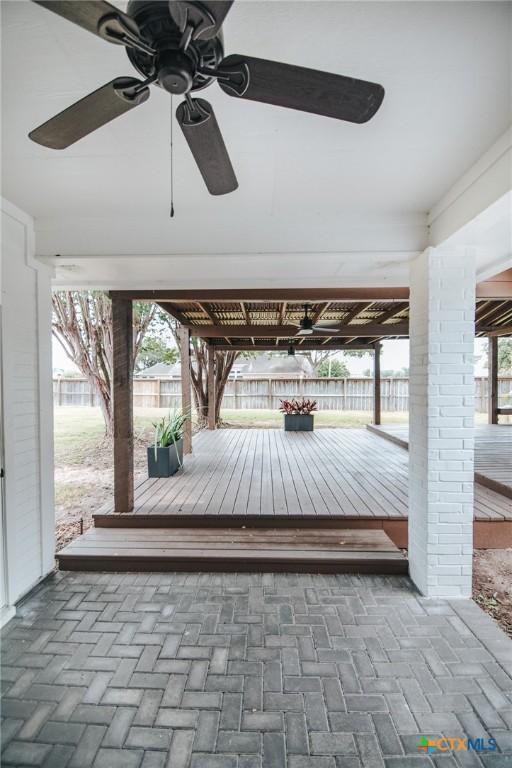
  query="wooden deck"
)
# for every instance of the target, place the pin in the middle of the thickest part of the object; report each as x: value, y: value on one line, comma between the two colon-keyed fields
x: 233, y: 549
x: 493, y: 453
x: 339, y: 473
x: 266, y: 478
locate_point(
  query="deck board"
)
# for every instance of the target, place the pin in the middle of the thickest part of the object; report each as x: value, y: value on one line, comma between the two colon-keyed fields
x: 493, y: 457
x: 296, y: 549
x: 337, y: 473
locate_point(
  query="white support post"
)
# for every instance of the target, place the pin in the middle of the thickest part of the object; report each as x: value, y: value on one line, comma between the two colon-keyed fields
x: 441, y: 415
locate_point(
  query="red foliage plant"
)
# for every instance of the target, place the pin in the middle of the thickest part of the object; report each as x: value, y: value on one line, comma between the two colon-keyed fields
x: 297, y: 406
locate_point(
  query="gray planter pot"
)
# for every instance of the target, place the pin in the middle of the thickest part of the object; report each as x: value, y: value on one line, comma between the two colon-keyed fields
x: 167, y: 461
x: 298, y: 422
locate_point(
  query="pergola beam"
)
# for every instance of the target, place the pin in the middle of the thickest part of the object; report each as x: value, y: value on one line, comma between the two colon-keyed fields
x: 355, y: 311
x: 271, y: 346
x: 321, y: 312
x: 310, y: 295
x: 174, y: 313
x: 208, y: 312
x: 245, y: 313
x: 505, y: 330
x: 287, y: 331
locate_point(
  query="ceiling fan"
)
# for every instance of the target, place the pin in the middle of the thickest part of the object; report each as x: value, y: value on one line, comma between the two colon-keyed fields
x: 307, y: 327
x: 178, y: 45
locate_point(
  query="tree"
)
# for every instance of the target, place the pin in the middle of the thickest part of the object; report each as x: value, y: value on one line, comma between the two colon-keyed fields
x: 504, y: 356
x: 155, y: 350
x: 199, y: 377
x: 317, y: 356
x: 335, y: 368
x: 199, y: 372
x: 82, y: 324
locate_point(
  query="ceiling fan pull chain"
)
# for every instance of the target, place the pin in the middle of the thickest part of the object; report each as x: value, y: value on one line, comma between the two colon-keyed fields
x: 172, y: 165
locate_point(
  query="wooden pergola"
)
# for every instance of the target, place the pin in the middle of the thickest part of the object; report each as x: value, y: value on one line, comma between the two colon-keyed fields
x: 267, y: 320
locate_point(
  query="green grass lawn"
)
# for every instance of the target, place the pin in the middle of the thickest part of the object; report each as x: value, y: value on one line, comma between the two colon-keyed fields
x: 78, y: 431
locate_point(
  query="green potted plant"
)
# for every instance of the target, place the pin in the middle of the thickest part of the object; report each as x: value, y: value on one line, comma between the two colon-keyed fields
x: 165, y: 456
x: 298, y: 415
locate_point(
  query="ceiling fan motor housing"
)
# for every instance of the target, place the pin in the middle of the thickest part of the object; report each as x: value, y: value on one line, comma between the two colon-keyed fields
x: 176, y: 70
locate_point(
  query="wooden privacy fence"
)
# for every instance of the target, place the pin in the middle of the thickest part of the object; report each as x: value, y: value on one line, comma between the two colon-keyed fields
x: 355, y: 394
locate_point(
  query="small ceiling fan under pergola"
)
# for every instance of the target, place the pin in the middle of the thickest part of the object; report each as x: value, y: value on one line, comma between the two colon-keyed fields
x: 178, y: 45
x: 307, y: 325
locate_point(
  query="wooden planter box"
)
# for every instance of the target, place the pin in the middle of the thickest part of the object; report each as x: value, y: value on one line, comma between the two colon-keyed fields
x: 167, y: 461
x: 298, y: 422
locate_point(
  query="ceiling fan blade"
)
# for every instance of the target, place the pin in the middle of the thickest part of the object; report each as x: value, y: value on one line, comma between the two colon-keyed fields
x: 100, y: 18
x: 325, y: 328
x: 206, y: 16
x: 304, y: 332
x: 201, y: 130
x: 308, y: 90
x: 88, y: 114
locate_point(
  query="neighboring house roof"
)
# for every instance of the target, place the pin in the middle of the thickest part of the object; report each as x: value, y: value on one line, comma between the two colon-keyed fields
x: 266, y: 365
x: 160, y: 370
x: 261, y: 365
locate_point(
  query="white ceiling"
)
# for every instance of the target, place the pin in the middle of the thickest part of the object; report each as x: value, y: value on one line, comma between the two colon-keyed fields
x: 307, y: 184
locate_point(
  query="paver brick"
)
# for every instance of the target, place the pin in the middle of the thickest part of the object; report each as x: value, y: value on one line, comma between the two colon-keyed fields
x: 61, y: 733
x: 148, y: 738
x: 177, y: 718
x: 332, y: 744
x: 262, y: 721
x: 181, y: 748
x: 213, y: 761
x: 116, y: 758
x: 296, y: 734
x: 241, y: 743
x: 25, y: 753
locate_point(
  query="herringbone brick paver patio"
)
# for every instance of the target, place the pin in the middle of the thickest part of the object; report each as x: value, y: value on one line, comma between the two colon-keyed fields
x: 250, y: 671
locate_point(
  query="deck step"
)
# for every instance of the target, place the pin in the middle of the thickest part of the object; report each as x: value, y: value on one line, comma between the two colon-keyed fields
x: 340, y: 550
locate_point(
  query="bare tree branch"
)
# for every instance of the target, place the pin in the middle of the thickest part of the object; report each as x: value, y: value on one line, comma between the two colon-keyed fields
x: 82, y: 323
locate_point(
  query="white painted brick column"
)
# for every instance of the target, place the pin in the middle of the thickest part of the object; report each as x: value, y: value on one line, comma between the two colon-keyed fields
x: 441, y: 417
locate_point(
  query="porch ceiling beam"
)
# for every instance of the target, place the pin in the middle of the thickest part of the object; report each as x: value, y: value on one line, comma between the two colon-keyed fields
x: 282, y: 312
x: 287, y: 331
x: 269, y: 294
x: 497, y: 287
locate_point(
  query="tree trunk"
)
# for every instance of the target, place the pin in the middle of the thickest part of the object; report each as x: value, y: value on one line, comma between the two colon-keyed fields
x: 223, y: 364
x: 82, y: 323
